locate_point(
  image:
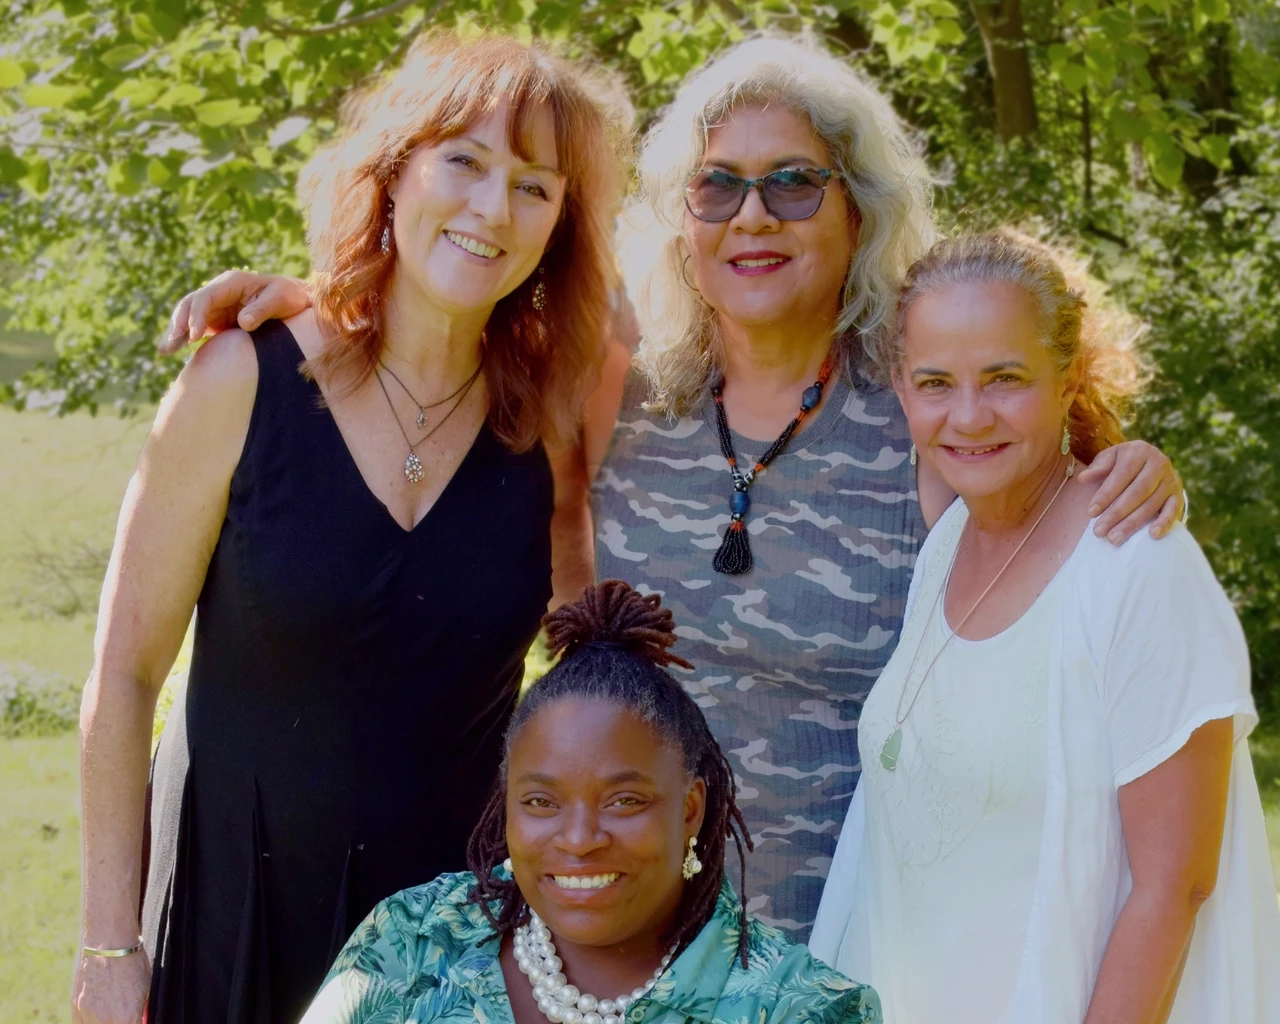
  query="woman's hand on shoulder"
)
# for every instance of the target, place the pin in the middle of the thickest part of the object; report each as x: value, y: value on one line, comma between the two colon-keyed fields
x: 1139, y: 487
x: 235, y: 298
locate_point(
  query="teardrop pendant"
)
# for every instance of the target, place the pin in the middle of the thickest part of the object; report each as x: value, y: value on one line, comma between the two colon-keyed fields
x: 421, y: 421
x: 413, y: 471
x: 889, y: 752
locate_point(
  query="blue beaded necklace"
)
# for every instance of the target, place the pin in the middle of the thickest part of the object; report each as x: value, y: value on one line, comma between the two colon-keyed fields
x: 734, y: 556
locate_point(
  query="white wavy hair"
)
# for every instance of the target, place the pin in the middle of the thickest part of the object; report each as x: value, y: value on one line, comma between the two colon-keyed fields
x: 876, y: 161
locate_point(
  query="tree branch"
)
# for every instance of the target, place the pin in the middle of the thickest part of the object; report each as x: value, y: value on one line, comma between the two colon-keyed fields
x: 368, y: 18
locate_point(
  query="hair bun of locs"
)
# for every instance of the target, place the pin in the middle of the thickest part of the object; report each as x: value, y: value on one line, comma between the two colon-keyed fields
x: 612, y: 614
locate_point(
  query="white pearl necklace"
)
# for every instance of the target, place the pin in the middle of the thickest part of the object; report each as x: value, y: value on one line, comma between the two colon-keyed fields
x: 560, y: 1002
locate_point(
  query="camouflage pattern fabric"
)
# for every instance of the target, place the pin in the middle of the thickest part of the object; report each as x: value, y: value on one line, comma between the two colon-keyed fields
x: 784, y: 655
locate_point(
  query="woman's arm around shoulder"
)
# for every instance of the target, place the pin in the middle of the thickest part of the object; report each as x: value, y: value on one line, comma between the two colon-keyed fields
x: 574, y: 466
x: 168, y: 527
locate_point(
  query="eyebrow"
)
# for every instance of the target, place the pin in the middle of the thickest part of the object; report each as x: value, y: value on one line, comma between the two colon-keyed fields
x: 487, y: 149
x: 617, y: 778
x: 787, y: 161
x: 933, y: 371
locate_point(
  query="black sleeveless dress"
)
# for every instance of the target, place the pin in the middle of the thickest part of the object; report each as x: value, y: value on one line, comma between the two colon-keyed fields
x: 342, y: 723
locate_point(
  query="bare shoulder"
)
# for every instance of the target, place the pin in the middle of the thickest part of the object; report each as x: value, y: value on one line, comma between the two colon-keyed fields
x: 211, y: 402
x: 226, y: 360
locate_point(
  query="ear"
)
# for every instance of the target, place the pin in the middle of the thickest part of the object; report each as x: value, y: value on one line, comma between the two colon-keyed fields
x: 695, y: 806
x: 393, y: 186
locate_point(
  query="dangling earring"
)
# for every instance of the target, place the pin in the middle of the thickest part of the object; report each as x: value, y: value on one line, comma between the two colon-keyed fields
x: 691, y: 864
x: 507, y: 864
x: 912, y: 457
x: 386, y: 230
x: 540, y: 290
x: 1065, y: 448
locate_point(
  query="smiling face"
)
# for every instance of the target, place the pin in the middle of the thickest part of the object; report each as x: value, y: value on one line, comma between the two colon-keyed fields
x: 599, y: 814
x: 757, y: 270
x: 473, y: 218
x: 983, y: 398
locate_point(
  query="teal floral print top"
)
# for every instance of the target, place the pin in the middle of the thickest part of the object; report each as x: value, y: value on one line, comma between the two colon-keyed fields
x: 427, y: 955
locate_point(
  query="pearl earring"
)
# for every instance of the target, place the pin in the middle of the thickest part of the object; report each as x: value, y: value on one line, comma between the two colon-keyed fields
x: 507, y: 864
x: 912, y: 457
x: 691, y: 864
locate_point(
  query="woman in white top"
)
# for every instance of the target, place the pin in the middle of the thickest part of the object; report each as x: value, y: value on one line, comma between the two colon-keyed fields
x: 1057, y: 819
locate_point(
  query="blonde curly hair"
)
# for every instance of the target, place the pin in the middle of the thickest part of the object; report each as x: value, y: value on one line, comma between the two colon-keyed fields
x: 1099, y: 338
x: 876, y: 162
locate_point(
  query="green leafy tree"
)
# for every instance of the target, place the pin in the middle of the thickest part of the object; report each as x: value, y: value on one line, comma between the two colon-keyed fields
x: 147, y: 143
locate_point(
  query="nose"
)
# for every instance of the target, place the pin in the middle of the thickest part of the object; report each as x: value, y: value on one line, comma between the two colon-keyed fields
x: 580, y: 832
x: 491, y: 200
x: 752, y: 217
x: 970, y: 412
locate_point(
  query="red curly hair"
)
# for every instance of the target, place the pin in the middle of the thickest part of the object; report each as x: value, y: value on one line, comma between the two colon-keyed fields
x: 539, y: 365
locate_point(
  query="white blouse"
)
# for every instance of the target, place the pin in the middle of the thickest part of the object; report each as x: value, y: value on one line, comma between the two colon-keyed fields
x: 979, y: 879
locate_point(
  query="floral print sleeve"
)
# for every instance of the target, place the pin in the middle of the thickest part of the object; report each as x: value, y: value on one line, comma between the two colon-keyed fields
x: 373, y: 979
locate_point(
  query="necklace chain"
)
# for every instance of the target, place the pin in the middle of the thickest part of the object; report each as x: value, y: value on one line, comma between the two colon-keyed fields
x: 413, y: 471
x: 560, y: 1002
x: 423, y: 407
x: 889, y: 752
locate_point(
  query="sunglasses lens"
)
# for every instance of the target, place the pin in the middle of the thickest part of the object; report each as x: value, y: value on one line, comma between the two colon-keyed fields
x: 714, y: 195
x: 793, y: 194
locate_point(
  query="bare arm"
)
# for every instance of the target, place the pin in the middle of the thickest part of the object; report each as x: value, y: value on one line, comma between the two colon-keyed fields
x: 172, y: 514
x: 574, y: 468
x: 1173, y: 819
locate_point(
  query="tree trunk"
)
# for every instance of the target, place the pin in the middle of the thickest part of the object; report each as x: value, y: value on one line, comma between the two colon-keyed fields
x: 1000, y: 22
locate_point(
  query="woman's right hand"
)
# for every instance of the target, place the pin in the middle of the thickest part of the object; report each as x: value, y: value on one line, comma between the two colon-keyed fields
x: 235, y: 298
x: 111, y: 990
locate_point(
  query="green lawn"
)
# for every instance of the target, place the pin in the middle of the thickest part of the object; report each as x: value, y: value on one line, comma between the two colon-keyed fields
x: 61, y: 481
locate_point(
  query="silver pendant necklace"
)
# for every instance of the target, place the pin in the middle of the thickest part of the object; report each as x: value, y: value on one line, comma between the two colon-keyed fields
x: 893, y: 745
x: 413, y: 471
x: 560, y: 1002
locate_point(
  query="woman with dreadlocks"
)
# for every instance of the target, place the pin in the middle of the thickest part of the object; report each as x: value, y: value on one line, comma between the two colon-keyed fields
x: 596, y: 892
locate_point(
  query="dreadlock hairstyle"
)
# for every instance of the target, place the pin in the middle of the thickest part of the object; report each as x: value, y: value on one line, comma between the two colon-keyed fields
x: 616, y: 644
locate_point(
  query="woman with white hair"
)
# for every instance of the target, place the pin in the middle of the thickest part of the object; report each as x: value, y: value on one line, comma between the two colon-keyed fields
x: 758, y: 476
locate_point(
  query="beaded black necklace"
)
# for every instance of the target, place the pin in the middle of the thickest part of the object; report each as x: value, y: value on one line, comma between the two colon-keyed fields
x: 734, y: 556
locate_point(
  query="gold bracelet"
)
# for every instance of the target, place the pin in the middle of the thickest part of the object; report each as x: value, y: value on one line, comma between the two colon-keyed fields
x: 95, y: 951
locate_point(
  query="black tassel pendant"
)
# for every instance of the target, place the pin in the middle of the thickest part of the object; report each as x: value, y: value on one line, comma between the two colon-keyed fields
x: 734, y: 555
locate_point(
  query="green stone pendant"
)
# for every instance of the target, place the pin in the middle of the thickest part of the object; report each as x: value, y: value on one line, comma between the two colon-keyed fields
x: 889, y: 752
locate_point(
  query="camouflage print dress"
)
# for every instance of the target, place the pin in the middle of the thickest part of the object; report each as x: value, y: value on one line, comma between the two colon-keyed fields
x: 784, y: 655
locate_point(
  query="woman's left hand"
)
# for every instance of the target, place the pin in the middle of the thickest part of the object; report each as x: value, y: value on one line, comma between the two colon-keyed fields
x: 1139, y: 488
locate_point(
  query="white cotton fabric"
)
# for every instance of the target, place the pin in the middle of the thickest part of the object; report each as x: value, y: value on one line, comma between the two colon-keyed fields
x: 1143, y: 648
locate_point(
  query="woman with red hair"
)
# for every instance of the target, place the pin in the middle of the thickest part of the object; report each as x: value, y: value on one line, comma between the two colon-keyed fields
x: 357, y: 501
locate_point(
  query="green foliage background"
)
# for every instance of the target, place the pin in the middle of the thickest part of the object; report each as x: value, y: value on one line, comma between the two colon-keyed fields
x: 145, y: 144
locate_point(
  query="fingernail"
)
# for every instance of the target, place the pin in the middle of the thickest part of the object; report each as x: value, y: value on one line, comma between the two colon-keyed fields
x: 1115, y: 536
x: 248, y: 322
x: 1094, y: 510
